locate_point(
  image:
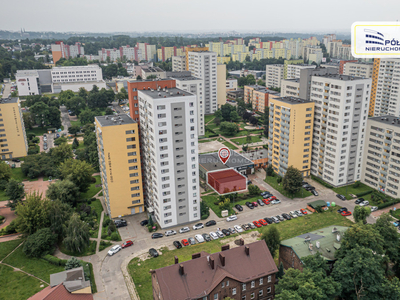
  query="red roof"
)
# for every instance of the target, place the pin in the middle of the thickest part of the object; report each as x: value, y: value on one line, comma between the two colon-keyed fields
x: 59, y: 292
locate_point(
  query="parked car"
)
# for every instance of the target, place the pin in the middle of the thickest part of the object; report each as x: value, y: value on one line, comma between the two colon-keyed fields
x: 314, y: 192
x: 198, y: 226
x: 156, y: 235
x: 199, y: 238
x: 266, y: 201
x: 127, y: 244
x: 245, y: 227
x: 231, y: 218
x: 213, y: 235
x: 177, y: 244
x: 342, y: 209
x: 211, y: 223
x: 276, y: 201
x: 170, y: 232
x: 260, y: 202
x: 359, y: 200
x: 238, y: 228
x: 219, y: 233
x: 374, y: 208
x: 184, y: 229
x: 239, y: 207
x: 226, y: 232
x: 249, y: 205
x: 345, y: 213
x: 303, y: 211
x: 257, y: 224
x: 120, y: 223
x: 263, y: 222
x: 185, y: 242
x: 255, y: 204
x: 251, y: 225
x: 191, y: 241
x: 232, y: 230
x: 365, y: 203
x: 114, y: 250
x: 341, y: 197
x: 144, y: 222
x: 206, y: 237
x: 153, y: 252
x: 293, y: 214
x: 286, y: 216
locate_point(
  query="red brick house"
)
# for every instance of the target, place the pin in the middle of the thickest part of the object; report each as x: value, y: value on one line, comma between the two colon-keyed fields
x: 243, y: 273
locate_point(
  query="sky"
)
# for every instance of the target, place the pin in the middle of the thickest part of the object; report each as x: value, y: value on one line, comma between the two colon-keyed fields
x: 193, y: 15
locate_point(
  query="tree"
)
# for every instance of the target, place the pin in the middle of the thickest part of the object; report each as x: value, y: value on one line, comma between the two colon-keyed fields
x: 61, y: 153
x: 272, y: 238
x: 109, y: 111
x: 254, y: 189
x: 73, y: 263
x: 229, y: 129
x: 59, y: 214
x: 79, y: 172
x: 77, y: 236
x: 64, y: 190
x: 32, y: 214
x: 40, y: 243
x: 361, y: 213
x: 5, y: 171
x: 75, y: 143
x: 74, y: 129
x: 292, y: 180
x: 14, y: 192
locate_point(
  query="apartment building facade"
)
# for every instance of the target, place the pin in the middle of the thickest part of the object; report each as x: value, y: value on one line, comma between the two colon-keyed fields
x: 13, y: 141
x: 290, y: 134
x: 168, y: 126
x: 178, y: 63
x: 341, y: 110
x: 358, y: 69
x: 381, y: 167
x: 203, y: 64
x: 258, y: 96
x: 274, y: 75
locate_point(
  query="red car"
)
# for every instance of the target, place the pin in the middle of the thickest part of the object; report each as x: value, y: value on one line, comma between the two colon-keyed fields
x: 346, y: 213
x: 257, y: 224
x: 263, y: 222
x: 255, y: 204
x: 303, y: 211
x: 272, y: 198
x: 185, y: 242
x: 127, y: 244
x: 266, y: 201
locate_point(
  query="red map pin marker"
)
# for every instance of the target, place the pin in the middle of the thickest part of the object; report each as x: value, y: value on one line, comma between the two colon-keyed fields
x: 224, y: 153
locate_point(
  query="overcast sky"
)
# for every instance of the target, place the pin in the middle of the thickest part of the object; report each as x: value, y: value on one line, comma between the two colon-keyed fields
x: 195, y: 15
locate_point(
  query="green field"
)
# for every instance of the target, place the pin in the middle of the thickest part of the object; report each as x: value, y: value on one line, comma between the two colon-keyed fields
x: 139, y: 270
x: 272, y: 181
x: 349, y: 189
x: 230, y: 145
x: 242, y: 141
x: 93, y: 190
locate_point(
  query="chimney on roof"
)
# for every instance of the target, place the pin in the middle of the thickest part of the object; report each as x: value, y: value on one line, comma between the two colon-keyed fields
x: 181, y: 269
x: 241, y: 242
x: 176, y: 259
x: 222, y: 259
x: 247, y: 250
x: 225, y: 247
x: 211, y: 262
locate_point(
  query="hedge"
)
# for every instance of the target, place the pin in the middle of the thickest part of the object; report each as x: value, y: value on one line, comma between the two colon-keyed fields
x: 317, y: 179
x: 364, y: 193
x: 55, y: 260
x: 387, y: 204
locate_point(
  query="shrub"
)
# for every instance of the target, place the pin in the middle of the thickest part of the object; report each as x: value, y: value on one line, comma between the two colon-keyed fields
x: 55, y: 260
x: 114, y: 236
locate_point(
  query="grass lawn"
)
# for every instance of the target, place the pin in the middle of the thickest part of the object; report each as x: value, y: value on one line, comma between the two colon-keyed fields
x: 17, y: 285
x: 288, y: 229
x: 272, y: 181
x: 3, y: 196
x: 208, y: 118
x: 36, y: 266
x: 241, y: 141
x: 230, y: 145
x: 93, y: 190
x: 347, y: 190
x: 7, y: 247
x: 40, y: 130
x: 91, y: 249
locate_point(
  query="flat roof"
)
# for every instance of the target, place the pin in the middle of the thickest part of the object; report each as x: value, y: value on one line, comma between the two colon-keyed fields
x: 169, y: 93
x: 115, y: 120
x: 388, y: 120
x: 293, y: 100
x: 211, y: 161
x: 9, y: 100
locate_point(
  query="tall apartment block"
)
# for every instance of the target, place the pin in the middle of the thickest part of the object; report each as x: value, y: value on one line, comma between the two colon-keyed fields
x: 258, y: 96
x: 12, y: 130
x: 203, y: 64
x: 385, y: 98
x: 341, y: 110
x: 120, y: 168
x: 168, y: 126
x: 61, y: 50
x: 290, y: 134
x: 381, y: 164
x: 274, y: 75
x: 178, y: 63
x: 358, y: 69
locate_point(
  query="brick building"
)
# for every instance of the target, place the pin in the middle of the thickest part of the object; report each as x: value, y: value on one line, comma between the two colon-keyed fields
x: 242, y: 273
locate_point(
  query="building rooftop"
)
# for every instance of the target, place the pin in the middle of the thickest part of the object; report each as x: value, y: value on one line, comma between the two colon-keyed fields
x: 341, y: 77
x: 168, y: 93
x: 257, y: 154
x: 115, y: 120
x: 198, y: 277
x: 293, y: 100
x: 211, y: 161
x: 325, y: 241
x: 388, y: 120
x: 9, y: 100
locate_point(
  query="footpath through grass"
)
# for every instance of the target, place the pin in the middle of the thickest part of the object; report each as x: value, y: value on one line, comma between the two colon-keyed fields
x: 273, y: 182
x: 139, y: 270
